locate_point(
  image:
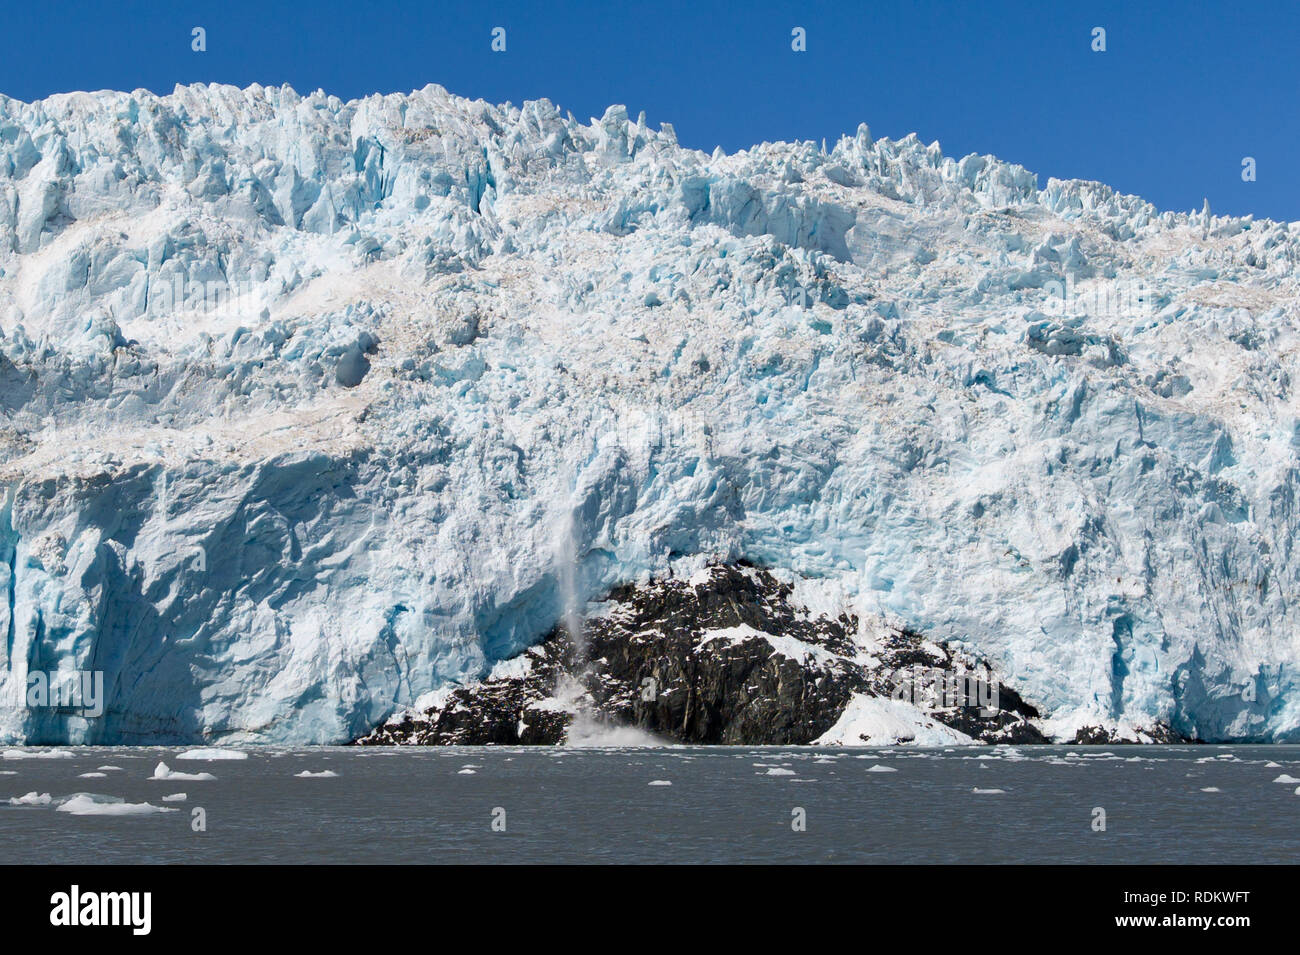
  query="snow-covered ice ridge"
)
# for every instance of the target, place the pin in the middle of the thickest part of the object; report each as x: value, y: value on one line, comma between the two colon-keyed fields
x: 1057, y: 426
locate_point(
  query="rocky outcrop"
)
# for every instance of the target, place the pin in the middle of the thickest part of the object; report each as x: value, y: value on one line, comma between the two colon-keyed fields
x: 1103, y: 736
x: 727, y: 656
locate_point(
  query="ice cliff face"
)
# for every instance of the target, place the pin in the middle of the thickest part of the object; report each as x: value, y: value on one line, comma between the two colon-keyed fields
x: 309, y: 408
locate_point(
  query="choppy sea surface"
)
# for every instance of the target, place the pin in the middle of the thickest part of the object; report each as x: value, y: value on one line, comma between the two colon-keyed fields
x: 1194, y: 804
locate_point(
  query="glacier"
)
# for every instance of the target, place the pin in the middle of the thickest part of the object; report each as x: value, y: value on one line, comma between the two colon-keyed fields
x: 310, y: 408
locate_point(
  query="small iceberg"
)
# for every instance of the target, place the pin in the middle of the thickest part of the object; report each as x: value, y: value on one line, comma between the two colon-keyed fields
x: 882, y: 769
x: 212, y: 754
x: 989, y: 792
x: 660, y: 782
x: 323, y: 774
x: 37, y: 754
x: 31, y: 799
x: 1284, y: 778
x: 162, y: 771
x: 89, y: 804
x: 175, y: 797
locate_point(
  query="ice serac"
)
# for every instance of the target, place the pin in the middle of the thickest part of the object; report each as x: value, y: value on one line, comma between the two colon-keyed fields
x: 298, y: 397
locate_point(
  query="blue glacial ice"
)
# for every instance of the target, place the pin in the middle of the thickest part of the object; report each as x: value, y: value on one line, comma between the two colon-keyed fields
x: 305, y: 406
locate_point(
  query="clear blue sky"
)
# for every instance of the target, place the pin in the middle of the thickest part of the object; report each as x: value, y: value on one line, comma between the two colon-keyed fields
x: 1183, y: 92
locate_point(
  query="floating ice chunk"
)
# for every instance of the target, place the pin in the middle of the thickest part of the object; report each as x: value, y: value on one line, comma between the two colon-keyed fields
x: 161, y: 771
x: 31, y: 799
x: 777, y: 771
x: 38, y: 754
x: 660, y: 782
x: 1284, y: 778
x: 91, y: 775
x: 175, y: 797
x: 1272, y: 765
x: 323, y: 774
x: 467, y: 772
x: 989, y: 792
x: 109, y: 769
x: 882, y: 769
x: 1211, y: 789
x: 84, y: 804
x: 212, y: 754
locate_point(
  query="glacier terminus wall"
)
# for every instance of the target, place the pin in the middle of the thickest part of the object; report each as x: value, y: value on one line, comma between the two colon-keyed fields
x: 309, y: 408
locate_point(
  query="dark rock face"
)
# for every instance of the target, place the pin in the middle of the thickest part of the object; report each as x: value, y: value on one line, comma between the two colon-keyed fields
x: 509, y: 711
x: 691, y: 664
x: 1101, y: 736
x: 985, y: 711
x: 727, y: 660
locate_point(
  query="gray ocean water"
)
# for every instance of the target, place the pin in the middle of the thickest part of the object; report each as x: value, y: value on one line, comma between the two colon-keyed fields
x: 724, y: 805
